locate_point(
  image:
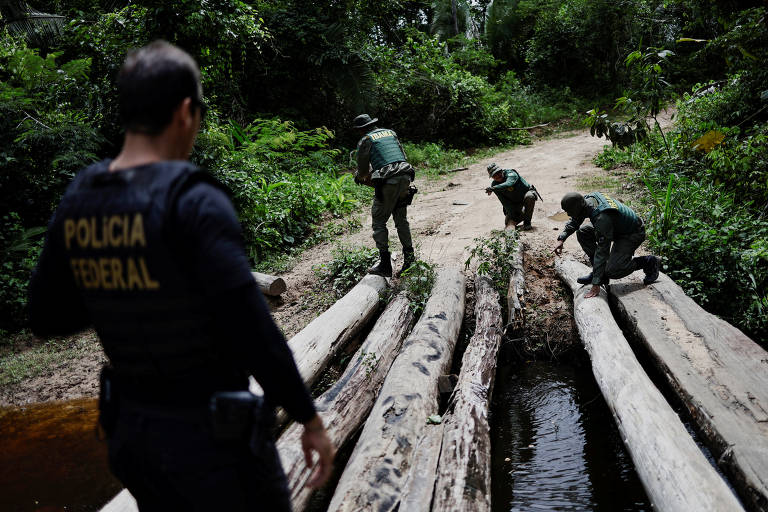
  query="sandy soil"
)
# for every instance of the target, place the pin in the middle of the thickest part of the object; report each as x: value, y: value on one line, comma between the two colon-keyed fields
x: 445, y: 217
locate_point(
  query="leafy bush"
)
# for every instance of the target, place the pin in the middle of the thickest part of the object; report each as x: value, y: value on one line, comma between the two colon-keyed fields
x: 347, y: 266
x: 493, y: 254
x: 417, y: 282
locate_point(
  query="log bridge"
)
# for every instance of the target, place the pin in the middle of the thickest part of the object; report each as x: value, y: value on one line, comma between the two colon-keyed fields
x: 409, y: 457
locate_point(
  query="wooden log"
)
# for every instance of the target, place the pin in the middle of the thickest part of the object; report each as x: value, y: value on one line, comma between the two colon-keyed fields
x: 464, y: 471
x: 379, y: 465
x: 315, y: 345
x: 269, y: 285
x: 122, y: 502
x: 715, y: 369
x: 345, y: 406
x: 673, y: 470
x: 515, y: 291
x: 420, y: 484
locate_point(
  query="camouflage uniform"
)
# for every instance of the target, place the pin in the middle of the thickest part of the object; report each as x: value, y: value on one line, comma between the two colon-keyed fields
x: 381, y: 163
x: 516, y: 196
x: 616, y: 232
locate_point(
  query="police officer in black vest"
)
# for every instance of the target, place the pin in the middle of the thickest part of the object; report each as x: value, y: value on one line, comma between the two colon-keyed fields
x: 148, y: 249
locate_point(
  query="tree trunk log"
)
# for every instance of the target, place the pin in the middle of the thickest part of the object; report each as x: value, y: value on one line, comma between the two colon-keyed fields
x: 464, y: 471
x: 269, y: 285
x: 515, y: 291
x: 673, y: 470
x: 715, y: 369
x: 345, y: 406
x: 318, y: 342
x: 376, y: 472
x: 420, y: 485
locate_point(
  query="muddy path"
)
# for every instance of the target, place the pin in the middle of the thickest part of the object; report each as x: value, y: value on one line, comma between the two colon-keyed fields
x: 446, y: 216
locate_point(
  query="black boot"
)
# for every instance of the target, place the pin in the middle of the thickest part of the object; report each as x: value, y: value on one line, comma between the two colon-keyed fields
x: 409, y: 258
x: 585, y: 279
x: 384, y: 266
x: 651, y: 269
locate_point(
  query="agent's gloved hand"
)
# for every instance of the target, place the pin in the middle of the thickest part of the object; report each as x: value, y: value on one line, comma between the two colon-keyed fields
x: 488, y: 190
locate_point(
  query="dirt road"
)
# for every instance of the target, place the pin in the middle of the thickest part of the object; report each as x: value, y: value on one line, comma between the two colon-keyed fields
x: 448, y: 214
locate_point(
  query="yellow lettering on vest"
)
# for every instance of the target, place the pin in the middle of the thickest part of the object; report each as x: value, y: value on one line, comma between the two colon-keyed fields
x: 75, y: 271
x: 126, y: 230
x: 117, y: 273
x: 83, y: 236
x: 134, y: 280
x: 69, y: 231
x: 114, y: 238
x: 137, y: 231
x: 93, y: 268
x: 148, y: 281
x: 95, y: 242
x: 104, y: 271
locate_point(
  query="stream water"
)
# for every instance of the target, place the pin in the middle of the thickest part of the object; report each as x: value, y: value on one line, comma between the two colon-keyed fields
x: 51, y: 458
x: 555, y: 445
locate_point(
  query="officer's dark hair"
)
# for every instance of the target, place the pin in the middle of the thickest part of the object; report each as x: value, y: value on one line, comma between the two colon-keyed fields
x: 152, y: 82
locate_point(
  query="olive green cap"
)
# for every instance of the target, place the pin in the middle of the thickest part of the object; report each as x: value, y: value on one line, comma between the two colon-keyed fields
x: 572, y: 203
x: 493, y: 169
x: 363, y: 120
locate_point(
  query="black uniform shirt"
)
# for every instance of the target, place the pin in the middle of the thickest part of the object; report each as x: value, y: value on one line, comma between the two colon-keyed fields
x: 208, y: 245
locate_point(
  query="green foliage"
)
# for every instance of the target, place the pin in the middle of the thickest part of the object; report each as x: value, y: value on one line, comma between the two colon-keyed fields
x: 417, y: 282
x: 347, y: 266
x: 493, y: 256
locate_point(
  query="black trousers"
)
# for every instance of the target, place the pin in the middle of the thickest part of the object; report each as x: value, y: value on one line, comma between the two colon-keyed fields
x: 173, y: 463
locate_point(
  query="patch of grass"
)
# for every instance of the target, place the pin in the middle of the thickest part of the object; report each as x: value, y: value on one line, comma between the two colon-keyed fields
x: 417, y: 282
x: 19, y: 366
x: 347, y: 266
x: 600, y: 182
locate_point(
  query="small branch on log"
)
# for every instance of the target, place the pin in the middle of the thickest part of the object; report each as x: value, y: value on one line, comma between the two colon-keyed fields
x: 673, y: 470
x: 530, y: 127
x: 345, y: 406
x: 455, y: 170
x: 269, y: 285
x: 515, y: 291
x: 378, y: 467
x: 464, y: 475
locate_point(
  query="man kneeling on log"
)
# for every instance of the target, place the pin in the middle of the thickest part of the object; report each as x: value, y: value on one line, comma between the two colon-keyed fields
x: 612, y: 222
x: 516, y: 195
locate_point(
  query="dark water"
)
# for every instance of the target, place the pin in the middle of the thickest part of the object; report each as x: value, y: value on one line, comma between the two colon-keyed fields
x: 564, y: 450
x: 51, y: 458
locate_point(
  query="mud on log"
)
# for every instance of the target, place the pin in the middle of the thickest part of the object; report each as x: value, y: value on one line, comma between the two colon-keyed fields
x: 464, y: 477
x: 269, y: 285
x: 672, y: 468
x: 715, y: 369
x: 345, y: 406
x: 376, y: 472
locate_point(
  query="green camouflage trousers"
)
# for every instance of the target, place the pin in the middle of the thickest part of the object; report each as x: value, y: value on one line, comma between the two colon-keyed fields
x: 384, y: 205
x: 518, y: 211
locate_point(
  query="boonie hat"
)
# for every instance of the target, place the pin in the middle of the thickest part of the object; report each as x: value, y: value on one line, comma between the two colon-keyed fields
x: 493, y: 169
x: 364, y: 120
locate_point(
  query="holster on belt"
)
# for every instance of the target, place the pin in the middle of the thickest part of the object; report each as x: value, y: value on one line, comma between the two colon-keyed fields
x: 240, y: 416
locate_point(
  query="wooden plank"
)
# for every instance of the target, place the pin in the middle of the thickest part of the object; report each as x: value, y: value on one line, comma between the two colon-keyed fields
x: 378, y: 467
x: 715, y: 369
x: 464, y: 471
x: 673, y: 470
x: 345, y: 406
x: 269, y: 285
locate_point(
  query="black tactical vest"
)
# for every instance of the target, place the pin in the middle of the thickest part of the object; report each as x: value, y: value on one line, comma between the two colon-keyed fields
x: 385, y: 148
x: 119, y: 242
